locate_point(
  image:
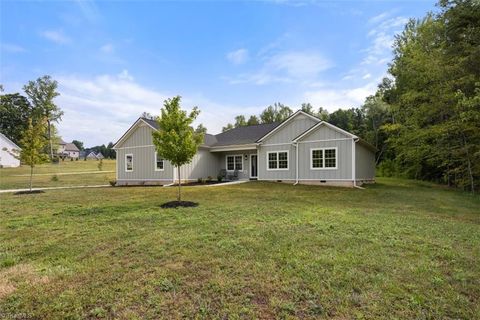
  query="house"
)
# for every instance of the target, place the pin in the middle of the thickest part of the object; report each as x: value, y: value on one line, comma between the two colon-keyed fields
x: 100, y: 156
x: 68, y: 150
x: 302, y: 149
x: 9, y: 153
x: 92, y: 155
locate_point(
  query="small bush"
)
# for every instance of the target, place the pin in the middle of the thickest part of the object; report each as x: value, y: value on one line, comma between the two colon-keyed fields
x: 209, y: 179
x: 113, y: 183
x: 219, y: 178
x: 54, y: 178
x: 100, y: 165
x: 71, y: 159
x: 199, y: 180
x: 56, y: 160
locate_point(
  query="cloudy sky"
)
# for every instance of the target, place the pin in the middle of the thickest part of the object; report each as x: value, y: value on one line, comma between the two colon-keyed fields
x: 116, y: 59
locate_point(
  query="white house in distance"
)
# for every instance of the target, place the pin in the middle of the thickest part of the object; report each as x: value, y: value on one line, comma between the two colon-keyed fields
x: 8, y: 151
x: 68, y: 150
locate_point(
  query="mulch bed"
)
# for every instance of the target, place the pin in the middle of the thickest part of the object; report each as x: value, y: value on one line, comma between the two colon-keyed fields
x: 29, y: 192
x: 176, y: 204
x: 189, y: 184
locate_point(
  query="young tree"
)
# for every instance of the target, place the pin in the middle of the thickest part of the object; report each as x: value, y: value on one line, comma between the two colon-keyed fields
x: 33, y: 145
x: 175, y: 140
x: 201, y: 129
x: 41, y: 93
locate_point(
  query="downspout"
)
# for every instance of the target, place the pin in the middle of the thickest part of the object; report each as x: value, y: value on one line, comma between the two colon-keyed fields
x: 296, y: 163
x: 354, y: 159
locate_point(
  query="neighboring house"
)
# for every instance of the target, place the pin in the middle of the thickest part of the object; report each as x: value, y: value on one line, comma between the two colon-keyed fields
x: 92, y: 155
x: 100, y: 156
x: 68, y: 150
x: 301, y: 149
x: 9, y: 152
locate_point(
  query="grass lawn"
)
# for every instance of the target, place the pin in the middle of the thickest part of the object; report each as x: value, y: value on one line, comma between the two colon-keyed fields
x: 68, y: 173
x: 398, y: 250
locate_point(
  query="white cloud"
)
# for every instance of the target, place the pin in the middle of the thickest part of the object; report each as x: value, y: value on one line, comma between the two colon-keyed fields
x: 237, y: 57
x: 9, y: 47
x: 285, y: 67
x: 100, y: 109
x: 56, y: 36
x: 334, y: 98
x: 107, y: 48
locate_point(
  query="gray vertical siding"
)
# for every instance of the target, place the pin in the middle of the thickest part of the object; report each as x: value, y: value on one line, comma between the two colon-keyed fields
x: 344, y: 161
x: 203, y: 165
x: 365, y: 163
x: 140, y: 144
x: 291, y: 130
x: 264, y: 174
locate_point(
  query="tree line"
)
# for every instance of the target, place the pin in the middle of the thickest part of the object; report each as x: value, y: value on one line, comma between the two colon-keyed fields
x: 424, y: 118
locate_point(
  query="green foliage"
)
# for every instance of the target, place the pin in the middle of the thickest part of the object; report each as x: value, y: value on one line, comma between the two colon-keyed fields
x: 434, y: 96
x: 33, y: 145
x: 78, y: 144
x: 175, y: 140
x: 14, y: 113
x: 276, y: 113
x: 201, y: 129
x: 42, y: 93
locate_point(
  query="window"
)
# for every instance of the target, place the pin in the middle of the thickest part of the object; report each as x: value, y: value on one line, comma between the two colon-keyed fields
x: 129, y: 162
x: 325, y: 158
x: 159, y: 162
x: 234, y: 163
x: 277, y: 160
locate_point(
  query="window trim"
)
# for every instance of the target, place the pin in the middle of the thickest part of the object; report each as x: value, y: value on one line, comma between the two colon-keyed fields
x: 155, y: 163
x: 234, y: 163
x: 323, y: 158
x: 278, y: 160
x: 126, y: 156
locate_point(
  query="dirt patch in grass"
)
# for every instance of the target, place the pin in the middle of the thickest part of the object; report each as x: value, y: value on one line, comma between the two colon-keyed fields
x: 11, y: 277
x: 176, y: 204
x: 29, y: 192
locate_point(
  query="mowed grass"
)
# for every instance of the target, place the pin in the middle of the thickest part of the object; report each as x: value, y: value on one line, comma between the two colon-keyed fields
x: 398, y: 250
x: 67, y: 173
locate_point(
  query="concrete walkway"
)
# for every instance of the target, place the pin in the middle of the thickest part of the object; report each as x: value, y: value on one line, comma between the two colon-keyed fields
x: 55, y: 188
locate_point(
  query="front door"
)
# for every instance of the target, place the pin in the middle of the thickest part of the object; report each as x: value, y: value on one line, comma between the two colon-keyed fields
x: 253, y: 166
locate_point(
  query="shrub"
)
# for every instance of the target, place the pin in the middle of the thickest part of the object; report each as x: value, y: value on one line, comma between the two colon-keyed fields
x: 54, y: 178
x: 71, y: 159
x: 113, y: 183
x: 209, y: 179
x: 55, y: 160
x: 219, y: 178
x: 100, y: 165
x: 199, y: 180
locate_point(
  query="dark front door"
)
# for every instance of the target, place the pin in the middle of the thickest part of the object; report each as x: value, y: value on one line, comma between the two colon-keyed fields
x: 253, y: 166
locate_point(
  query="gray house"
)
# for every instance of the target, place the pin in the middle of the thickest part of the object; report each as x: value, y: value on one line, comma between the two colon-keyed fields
x: 302, y: 149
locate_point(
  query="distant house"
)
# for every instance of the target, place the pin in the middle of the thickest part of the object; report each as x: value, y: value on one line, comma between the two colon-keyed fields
x: 8, y: 153
x: 302, y: 149
x: 100, y: 156
x: 68, y: 150
x: 92, y: 155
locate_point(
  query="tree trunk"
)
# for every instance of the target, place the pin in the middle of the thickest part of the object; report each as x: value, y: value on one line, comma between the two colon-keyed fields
x: 50, y: 139
x: 469, y: 165
x: 31, y: 177
x: 179, y: 196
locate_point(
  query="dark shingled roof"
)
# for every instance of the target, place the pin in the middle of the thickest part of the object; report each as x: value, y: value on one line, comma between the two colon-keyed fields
x: 244, y: 135
x: 241, y: 135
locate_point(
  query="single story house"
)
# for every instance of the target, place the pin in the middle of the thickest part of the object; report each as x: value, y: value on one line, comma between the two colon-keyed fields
x: 302, y: 149
x: 9, y: 153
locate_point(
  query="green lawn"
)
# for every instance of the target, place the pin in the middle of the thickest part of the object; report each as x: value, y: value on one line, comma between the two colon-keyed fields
x: 397, y: 250
x: 68, y: 173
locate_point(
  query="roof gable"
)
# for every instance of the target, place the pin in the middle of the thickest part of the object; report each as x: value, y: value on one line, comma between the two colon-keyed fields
x: 10, y: 142
x: 319, y: 125
x: 285, y: 122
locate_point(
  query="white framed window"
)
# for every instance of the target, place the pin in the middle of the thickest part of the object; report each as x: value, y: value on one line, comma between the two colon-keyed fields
x: 129, y: 162
x: 323, y: 158
x: 277, y: 160
x: 234, y: 162
x: 159, y: 162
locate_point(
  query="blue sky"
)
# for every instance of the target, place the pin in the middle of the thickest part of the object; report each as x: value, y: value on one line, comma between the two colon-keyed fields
x: 115, y: 59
